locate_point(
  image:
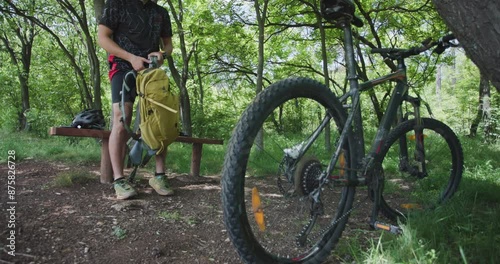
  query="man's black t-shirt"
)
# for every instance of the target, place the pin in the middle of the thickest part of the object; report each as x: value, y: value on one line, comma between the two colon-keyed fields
x: 137, y: 28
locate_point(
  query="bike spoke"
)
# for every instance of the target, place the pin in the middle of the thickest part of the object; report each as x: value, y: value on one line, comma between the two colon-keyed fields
x: 284, y: 207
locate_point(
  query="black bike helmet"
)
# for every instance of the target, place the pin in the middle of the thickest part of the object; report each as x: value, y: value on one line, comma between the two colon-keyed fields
x: 89, y: 119
x: 336, y: 10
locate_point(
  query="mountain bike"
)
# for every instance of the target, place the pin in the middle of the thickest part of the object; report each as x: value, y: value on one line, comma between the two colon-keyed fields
x: 295, y: 209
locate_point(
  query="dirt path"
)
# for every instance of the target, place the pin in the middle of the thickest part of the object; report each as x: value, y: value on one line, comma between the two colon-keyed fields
x: 83, y: 223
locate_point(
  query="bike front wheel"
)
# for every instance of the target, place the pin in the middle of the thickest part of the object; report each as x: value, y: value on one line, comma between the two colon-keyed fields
x: 275, y: 209
x: 422, y: 166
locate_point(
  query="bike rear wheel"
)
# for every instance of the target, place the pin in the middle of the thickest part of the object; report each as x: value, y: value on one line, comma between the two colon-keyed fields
x: 266, y: 192
x: 417, y: 180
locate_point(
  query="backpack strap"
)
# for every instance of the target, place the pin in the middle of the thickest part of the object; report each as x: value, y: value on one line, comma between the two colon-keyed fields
x: 127, y: 75
x: 125, y: 87
x: 160, y: 105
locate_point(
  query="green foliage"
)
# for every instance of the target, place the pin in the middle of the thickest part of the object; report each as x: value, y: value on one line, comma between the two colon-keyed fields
x: 457, y: 101
x: 222, y: 81
x: 40, y: 121
x: 9, y: 120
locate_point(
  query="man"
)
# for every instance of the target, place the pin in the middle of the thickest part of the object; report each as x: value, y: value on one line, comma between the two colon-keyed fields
x: 131, y: 31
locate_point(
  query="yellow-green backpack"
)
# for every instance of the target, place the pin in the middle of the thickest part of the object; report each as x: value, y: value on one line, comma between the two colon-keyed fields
x: 158, y: 109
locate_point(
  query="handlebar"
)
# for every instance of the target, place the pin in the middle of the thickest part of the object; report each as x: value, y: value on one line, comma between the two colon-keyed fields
x: 441, y: 45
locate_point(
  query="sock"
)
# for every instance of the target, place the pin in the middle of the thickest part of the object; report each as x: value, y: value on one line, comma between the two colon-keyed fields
x: 121, y: 178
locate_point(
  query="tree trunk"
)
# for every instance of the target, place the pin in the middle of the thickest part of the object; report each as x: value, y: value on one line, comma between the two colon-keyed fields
x: 484, y: 108
x: 98, y: 9
x: 475, y: 24
x: 25, y: 99
x: 95, y: 72
x: 21, y: 59
x: 261, y: 20
x: 454, y: 70
x: 87, y: 96
x: 181, y: 77
x: 438, y: 81
x: 201, y: 93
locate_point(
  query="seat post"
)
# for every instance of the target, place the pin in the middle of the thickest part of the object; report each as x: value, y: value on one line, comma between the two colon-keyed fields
x: 352, y: 76
x: 353, y: 79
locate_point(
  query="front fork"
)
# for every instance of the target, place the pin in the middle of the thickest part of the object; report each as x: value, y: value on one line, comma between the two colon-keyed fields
x: 415, y: 166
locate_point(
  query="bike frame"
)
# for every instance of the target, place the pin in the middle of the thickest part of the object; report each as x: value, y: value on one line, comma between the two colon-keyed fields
x: 362, y: 163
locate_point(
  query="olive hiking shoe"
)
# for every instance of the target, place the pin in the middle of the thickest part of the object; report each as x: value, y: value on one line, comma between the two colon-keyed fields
x: 123, y: 189
x: 161, y: 186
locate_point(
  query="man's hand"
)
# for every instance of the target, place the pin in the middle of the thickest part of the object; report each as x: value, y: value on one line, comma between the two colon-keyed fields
x: 138, y: 63
x: 158, y: 55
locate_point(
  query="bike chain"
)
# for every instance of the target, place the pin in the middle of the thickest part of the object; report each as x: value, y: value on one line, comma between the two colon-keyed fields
x: 329, y: 227
x: 278, y: 179
x: 314, y: 237
x: 311, y: 219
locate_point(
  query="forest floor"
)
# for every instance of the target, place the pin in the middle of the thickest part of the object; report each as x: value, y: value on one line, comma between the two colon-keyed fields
x: 84, y: 223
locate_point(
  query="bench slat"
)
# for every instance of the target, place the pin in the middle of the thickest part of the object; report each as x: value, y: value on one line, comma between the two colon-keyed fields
x: 104, y: 134
x: 106, y: 169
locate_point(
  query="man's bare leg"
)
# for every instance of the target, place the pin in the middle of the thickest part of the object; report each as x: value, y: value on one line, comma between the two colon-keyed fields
x: 160, y: 162
x: 117, y: 142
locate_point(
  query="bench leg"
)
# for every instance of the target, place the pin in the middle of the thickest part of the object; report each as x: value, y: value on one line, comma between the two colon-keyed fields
x: 196, y: 159
x: 106, y: 169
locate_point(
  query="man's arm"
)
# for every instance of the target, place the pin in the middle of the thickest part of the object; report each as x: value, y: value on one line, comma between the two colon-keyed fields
x: 166, y: 49
x: 105, y: 40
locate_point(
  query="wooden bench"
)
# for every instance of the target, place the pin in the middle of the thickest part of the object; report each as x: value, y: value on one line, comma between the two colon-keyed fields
x: 107, y: 170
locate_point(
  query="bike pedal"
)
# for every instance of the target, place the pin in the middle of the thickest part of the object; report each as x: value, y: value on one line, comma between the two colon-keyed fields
x: 387, y: 227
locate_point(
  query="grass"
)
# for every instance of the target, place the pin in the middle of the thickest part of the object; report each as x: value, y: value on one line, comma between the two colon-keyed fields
x: 88, y: 151
x: 71, y: 150
x: 464, y: 230
x: 70, y: 178
x: 179, y: 158
x: 175, y: 216
x: 169, y: 216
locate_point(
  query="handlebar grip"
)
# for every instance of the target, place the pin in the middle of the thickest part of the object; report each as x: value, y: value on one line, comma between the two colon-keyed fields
x: 447, y: 38
x: 443, y: 43
x: 357, y: 21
